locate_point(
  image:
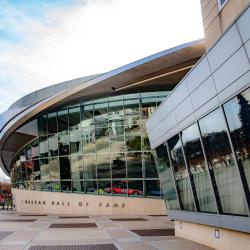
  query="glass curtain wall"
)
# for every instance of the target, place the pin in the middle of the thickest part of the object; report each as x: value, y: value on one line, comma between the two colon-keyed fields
x: 97, y: 147
x: 211, y: 160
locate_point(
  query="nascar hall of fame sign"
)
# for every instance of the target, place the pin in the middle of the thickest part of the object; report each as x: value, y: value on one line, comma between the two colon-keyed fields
x: 68, y: 204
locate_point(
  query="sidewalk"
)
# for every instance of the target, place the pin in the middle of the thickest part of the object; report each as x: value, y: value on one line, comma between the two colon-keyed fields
x: 89, y: 233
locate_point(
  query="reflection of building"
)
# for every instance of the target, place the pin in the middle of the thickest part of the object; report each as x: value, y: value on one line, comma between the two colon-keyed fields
x: 200, y: 135
x: 88, y: 136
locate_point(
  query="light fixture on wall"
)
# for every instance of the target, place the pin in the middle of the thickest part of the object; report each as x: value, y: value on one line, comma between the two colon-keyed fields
x: 217, y: 233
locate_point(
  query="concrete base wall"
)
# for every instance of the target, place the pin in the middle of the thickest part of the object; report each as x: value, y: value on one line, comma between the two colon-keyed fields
x: 70, y: 203
x: 228, y: 240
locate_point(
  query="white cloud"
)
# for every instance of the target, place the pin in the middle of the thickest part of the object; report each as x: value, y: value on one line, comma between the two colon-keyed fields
x: 90, y: 37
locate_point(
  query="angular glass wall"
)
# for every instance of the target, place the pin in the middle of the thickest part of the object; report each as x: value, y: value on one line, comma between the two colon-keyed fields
x: 97, y: 147
x: 222, y: 164
x: 166, y: 177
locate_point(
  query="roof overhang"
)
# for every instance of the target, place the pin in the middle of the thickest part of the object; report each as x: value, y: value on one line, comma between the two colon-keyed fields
x: 161, y: 71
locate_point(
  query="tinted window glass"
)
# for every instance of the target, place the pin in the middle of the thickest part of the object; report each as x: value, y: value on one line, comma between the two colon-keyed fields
x: 74, y: 118
x: 237, y: 112
x: 65, y: 167
x: 103, y: 166
x: 52, y: 123
x: 118, y: 165
x: 180, y: 174
x: 63, y: 122
x: 76, y: 167
x: 221, y: 162
x: 198, y: 171
x: 166, y: 176
x: 149, y: 164
x: 134, y: 165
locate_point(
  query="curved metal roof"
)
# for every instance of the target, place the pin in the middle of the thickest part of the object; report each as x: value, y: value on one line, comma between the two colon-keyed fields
x: 161, y: 71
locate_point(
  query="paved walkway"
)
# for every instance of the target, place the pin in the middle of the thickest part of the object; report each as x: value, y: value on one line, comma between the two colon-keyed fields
x: 92, y: 232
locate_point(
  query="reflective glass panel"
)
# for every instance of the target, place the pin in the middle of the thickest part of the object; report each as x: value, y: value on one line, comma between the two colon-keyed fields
x: 133, y: 138
x: 55, y: 186
x: 103, y: 166
x: 66, y: 186
x: 180, y: 173
x: 118, y: 166
x: 135, y: 188
x: 44, y: 168
x: 88, y: 136
x: 116, y: 114
x: 237, y: 112
x: 102, y: 139
x: 87, y: 115
x: 149, y: 164
x: 42, y: 125
x: 65, y: 167
x: 91, y: 187
x: 116, y: 138
x: 134, y: 165
x: 35, y: 149
x: 89, y: 166
x: 63, y: 121
x: 132, y: 112
x: 76, y: 167
x: 221, y: 162
x: 53, y: 145
x: 54, y: 169
x: 52, y: 123
x: 119, y: 187
x: 78, y: 186
x: 63, y: 141
x: 36, y: 170
x: 152, y: 188
x: 101, y: 113
x: 43, y: 146
x: 74, y: 118
x: 75, y: 142
x: 45, y: 186
x: 104, y: 187
x: 197, y: 169
x: 166, y: 177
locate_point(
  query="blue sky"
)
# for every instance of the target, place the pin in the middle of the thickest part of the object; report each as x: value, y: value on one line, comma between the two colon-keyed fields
x: 43, y: 42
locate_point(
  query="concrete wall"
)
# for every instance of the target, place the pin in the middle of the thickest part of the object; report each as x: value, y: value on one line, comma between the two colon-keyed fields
x: 70, y: 203
x: 220, y: 74
x: 228, y: 240
x: 216, y: 20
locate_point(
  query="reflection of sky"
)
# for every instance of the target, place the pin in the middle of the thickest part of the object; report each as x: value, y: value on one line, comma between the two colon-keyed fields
x: 232, y: 109
x: 213, y: 122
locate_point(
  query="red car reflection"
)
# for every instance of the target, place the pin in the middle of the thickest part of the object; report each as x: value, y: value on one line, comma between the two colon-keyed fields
x: 123, y: 190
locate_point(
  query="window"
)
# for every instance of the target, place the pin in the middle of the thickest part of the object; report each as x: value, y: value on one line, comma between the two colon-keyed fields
x: 103, y: 166
x: 134, y: 165
x: 221, y: 163
x: 237, y: 113
x: 181, y: 174
x: 198, y: 170
x: 166, y: 177
x: 221, y: 4
x: 118, y: 165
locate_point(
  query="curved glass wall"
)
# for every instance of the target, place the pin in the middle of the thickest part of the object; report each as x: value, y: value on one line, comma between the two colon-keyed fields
x: 96, y: 147
x: 209, y: 166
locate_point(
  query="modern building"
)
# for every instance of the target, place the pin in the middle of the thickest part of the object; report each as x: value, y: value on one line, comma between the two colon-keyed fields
x: 81, y: 146
x: 200, y: 134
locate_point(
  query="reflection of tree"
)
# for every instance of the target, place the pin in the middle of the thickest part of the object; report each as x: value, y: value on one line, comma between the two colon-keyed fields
x: 244, y: 116
x: 134, y: 143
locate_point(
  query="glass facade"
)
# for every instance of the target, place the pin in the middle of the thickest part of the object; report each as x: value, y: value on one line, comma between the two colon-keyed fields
x: 96, y: 147
x: 206, y: 167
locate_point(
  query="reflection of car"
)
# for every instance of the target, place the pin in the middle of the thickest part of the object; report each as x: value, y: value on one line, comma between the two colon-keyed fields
x: 117, y: 190
x: 123, y: 190
x: 91, y: 190
x: 155, y: 192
